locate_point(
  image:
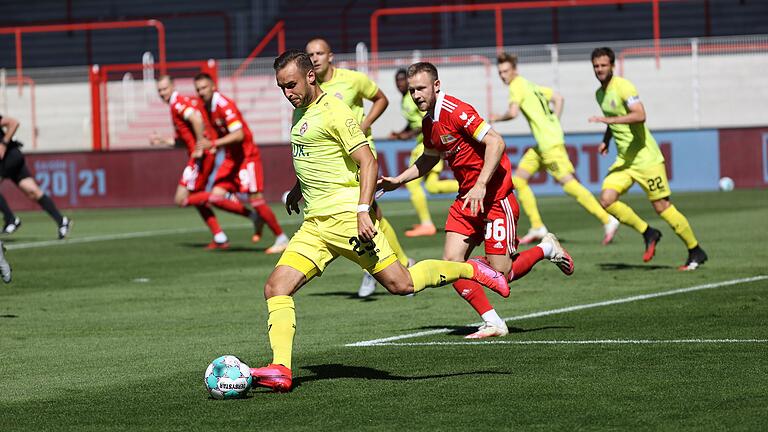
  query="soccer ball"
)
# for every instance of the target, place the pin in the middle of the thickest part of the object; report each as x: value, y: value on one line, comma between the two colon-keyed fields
x: 227, y: 378
x: 726, y: 184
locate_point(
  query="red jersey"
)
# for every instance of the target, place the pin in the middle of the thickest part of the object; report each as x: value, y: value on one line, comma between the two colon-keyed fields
x: 226, y: 118
x: 456, y: 132
x: 182, y: 108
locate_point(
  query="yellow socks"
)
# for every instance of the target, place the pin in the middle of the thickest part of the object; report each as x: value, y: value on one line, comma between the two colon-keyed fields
x: 627, y: 216
x: 282, y: 327
x: 435, y: 273
x: 680, y: 224
x: 528, y: 201
x: 419, y: 201
x: 391, y: 235
x: 434, y: 185
x: 586, y: 199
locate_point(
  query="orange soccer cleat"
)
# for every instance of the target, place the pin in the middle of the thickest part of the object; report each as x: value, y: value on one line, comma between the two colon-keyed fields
x: 275, y: 376
x: 652, y: 237
x: 215, y: 245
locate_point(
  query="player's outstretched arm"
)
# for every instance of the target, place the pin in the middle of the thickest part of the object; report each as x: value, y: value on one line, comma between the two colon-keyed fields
x: 636, y: 115
x: 11, y: 125
x: 156, y: 140
x: 512, y: 112
x: 380, y: 103
x: 420, y: 168
x: 558, y: 102
x: 494, y: 150
x: 363, y: 157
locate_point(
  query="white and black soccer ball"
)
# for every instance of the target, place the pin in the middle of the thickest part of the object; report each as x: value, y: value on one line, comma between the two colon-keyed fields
x: 726, y: 184
x: 227, y: 378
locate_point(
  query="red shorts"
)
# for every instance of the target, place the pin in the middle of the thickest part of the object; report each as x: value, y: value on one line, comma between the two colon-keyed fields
x: 196, y: 173
x: 497, y: 225
x: 244, y: 175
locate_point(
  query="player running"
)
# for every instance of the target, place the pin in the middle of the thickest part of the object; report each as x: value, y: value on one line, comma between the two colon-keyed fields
x: 431, y: 181
x: 190, y: 128
x: 638, y: 160
x: 485, y: 209
x: 549, y: 153
x: 13, y: 166
x: 353, y: 88
x: 241, y: 171
x: 336, y: 174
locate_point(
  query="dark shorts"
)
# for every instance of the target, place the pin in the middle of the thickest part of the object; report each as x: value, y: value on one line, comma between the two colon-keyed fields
x: 13, y: 166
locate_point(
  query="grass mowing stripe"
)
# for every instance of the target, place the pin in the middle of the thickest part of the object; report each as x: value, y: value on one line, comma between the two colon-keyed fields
x: 140, y: 234
x: 583, y: 342
x: 572, y: 308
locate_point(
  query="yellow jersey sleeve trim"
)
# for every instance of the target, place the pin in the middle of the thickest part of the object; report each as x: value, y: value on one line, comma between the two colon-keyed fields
x: 357, y: 146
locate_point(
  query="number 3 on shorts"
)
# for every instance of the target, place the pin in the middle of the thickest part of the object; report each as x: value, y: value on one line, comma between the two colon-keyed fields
x: 495, y: 229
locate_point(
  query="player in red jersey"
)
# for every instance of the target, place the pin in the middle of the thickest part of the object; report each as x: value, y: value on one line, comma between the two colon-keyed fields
x: 241, y: 170
x: 485, y: 209
x: 190, y: 128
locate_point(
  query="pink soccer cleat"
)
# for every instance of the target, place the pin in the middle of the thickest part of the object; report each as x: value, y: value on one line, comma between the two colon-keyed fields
x: 560, y: 257
x: 610, y: 230
x: 216, y: 245
x: 486, y: 275
x: 275, y: 376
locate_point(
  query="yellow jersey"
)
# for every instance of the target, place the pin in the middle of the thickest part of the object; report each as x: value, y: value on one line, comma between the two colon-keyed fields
x: 533, y: 101
x: 635, y: 145
x: 352, y: 87
x: 323, y: 135
x: 413, y: 116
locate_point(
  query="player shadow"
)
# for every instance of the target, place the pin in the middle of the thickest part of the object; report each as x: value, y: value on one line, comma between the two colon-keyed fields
x: 352, y: 295
x: 9, y: 316
x: 231, y: 249
x: 467, y: 330
x: 340, y: 371
x: 625, y: 266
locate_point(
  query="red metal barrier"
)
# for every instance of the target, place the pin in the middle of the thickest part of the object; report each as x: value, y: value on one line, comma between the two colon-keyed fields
x: 497, y: 9
x: 278, y: 30
x: 108, y: 25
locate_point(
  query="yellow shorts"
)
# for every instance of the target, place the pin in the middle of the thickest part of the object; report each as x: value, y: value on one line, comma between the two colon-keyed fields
x: 417, y: 152
x: 653, y: 180
x: 322, y: 239
x: 554, y: 160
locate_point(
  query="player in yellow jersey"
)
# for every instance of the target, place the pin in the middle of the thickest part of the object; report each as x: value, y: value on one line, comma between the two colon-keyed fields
x: 639, y: 160
x: 353, y: 88
x: 336, y: 173
x: 549, y: 153
x: 431, y: 181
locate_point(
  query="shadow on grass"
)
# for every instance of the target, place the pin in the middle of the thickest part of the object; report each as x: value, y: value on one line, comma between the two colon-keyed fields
x: 625, y: 266
x: 340, y: 371
x: 202, y: 246
x: 9, y: 316
x: 466, y: 330
x: 352, y: 295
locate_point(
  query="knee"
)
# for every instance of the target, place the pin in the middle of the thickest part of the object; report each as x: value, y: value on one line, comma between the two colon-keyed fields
x: 606, y: 200
x: 400, y: 287
x: 661, y: 205
x: 34, y: 195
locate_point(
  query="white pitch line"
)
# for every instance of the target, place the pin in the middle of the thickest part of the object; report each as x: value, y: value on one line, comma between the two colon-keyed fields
x: 572, y: 308
x: 140, y: 234
x: 584, y: 342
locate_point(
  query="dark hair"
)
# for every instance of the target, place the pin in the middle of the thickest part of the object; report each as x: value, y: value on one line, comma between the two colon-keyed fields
x: 402, y: 72
x: 604, y: 51
x: 507, y: 58
x: 423, y: 67
x: 165, y: 77
x: 203, y: 75
x: 301, y: 59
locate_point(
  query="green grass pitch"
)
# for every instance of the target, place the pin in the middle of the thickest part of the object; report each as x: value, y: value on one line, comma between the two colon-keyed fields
x: 113, y: 329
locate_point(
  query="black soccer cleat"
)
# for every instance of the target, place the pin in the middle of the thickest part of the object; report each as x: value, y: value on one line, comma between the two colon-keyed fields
x: 11, y: 227
x: 66, y: 225
x: 696, y: 257
x: 652, y: 236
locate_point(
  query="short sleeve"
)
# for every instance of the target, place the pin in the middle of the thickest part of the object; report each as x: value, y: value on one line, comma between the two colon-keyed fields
x: 628, y: 93
x: 515, y: 93
x: 366, y: 86
x: 346, y: 130
x: 467, y: 120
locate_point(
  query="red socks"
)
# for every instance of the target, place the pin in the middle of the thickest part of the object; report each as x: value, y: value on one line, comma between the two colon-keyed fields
x: 210, y: 219
x: 474, y: 294
x: 525, y: 260
x: 265, y: 213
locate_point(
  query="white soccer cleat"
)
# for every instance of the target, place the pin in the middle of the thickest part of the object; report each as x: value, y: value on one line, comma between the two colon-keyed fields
x: 12, y: 226
x: 560, y: 256
x: 489, y: 330
x: 534, y: 234
x: 367, y: 286
x: 64, y: 228
x: 280, y: 245
x: 610, y: 229
x: 5, y: 268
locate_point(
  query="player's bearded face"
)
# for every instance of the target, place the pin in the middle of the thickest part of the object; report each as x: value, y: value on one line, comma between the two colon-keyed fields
x: 204, y: 89
x: 603, y: 68
x: 423, y: 90
x: 297, y: 87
